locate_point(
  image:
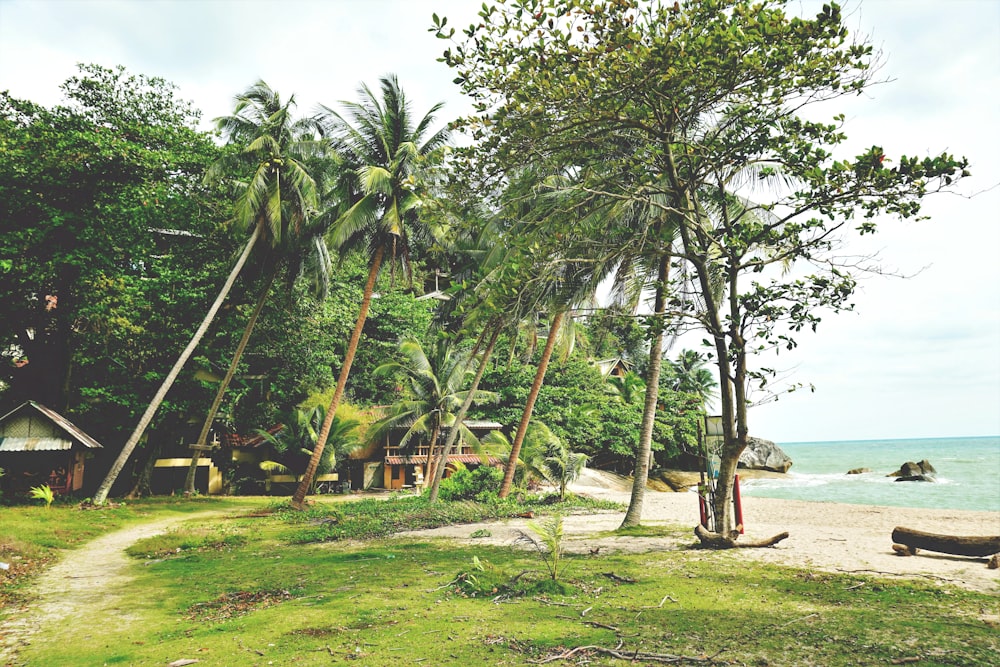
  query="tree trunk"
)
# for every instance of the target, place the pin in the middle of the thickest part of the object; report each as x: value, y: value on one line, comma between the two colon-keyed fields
x: 947, y: 544
x: 529, y: 406
x: 466, y: 404
x: 641, y: 475
x: 224, y: 385
x: 102, y: 491
x: 298, y: 499
x: 431, y: 464
x: 141, y: 486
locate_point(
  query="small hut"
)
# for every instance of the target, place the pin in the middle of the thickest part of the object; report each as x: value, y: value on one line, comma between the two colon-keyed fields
x: 39, y: 446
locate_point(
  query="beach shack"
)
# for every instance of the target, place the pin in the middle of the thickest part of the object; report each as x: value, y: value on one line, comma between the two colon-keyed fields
x: 39, y: 446
x: 390, y: 466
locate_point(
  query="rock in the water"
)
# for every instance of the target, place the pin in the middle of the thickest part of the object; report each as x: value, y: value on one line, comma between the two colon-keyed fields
x: 858, y: 471
x: 915, y: 472
x: 763, y: 454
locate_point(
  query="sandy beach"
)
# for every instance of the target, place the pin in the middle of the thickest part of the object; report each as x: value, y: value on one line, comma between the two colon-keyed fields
x: 823, y: 536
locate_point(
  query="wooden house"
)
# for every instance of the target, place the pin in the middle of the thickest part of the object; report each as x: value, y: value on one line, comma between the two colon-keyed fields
x: 386, y: 465
x: 39, y: 446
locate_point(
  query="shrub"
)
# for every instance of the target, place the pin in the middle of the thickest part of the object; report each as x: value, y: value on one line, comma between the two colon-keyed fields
x: 478, y: 484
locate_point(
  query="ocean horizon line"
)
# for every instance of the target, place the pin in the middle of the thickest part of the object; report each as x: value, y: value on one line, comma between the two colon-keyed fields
x: 894, y: 439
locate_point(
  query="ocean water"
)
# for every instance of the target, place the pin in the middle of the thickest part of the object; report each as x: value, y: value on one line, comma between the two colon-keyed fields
x: 968, y: 473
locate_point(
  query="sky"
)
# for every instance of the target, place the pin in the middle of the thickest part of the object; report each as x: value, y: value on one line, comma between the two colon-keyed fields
x: 919, y: 356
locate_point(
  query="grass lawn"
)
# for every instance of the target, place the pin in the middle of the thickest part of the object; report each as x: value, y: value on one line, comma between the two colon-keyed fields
x: 260, y: 590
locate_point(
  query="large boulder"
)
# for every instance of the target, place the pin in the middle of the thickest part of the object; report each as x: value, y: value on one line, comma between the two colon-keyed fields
x: 763, y: 454
x: 922, y: 471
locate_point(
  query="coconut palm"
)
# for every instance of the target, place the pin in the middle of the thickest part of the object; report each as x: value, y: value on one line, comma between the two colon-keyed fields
x: 688, y: 374
x: 382, y: 149
x: 295, y: 442
x: 435, y: 390
x: 626, y: 388
x: 543, y: 456
x: 101, y: 495
x: 280, y: 198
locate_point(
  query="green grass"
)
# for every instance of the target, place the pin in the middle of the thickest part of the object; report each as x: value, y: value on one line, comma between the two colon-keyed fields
x: 263, y: 597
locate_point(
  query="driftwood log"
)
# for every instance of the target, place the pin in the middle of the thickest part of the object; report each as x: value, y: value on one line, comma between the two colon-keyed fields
x: 721, y: 541
x: 975, y: 546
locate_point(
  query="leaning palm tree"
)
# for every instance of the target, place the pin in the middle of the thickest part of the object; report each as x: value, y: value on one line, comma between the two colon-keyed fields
x: 279, y: 198
x: 382, y: 150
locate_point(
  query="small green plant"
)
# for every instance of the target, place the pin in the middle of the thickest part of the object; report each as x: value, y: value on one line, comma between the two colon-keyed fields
x: 547, y: 542
x: 43, y: 492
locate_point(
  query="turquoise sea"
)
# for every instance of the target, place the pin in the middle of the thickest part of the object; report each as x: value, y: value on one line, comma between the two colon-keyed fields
x: 968, y: 473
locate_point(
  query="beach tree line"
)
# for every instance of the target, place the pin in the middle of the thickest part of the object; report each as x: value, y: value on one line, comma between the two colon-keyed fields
x: 689, y: 156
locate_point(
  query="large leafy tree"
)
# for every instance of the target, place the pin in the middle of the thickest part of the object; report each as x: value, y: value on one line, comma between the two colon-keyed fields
x: 712, y: 92
x: 85, y: 189
x: 383, y: 147
x: 109, y: 244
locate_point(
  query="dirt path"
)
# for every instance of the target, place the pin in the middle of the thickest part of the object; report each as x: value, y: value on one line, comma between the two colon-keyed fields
x: 88, y: 583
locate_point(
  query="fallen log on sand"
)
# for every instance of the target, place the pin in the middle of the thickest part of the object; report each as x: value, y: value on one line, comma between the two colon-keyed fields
x: 975, y: 546
x: 721, y: 541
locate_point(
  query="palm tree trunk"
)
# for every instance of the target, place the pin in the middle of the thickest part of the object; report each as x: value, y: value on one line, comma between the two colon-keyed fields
x: 466, y: 404
x: 352, y: 347
x: 641, y: 475
x: 224, y: 385
x: 529, y: 406
x: 431, y: 462
x: 102, y: 491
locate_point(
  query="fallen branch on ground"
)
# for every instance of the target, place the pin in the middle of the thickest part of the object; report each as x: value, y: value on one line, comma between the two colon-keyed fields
x: 632, y: 656
x: 721, y: 541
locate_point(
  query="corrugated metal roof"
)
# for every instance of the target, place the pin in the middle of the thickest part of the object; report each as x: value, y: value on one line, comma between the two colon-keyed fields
x: 66, y: 425
x: 454, y: 458
x: 9, y: 444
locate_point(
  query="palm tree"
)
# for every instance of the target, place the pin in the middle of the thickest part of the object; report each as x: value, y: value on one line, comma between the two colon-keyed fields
x: 688, y: 374
x: 101, y: 495
x: 295, y: 443
x: 382, y: 149
x: 626, y: 387
x: 436, y: 389
x: 543, y: 456
x: 279, y: 199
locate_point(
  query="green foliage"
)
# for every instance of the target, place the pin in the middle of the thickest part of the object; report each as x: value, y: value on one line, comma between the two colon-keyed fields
x: 480, y: 484
x: 86, y: 190
x: 607, y: 433
x: 43, y: 493
x: 373, y: 518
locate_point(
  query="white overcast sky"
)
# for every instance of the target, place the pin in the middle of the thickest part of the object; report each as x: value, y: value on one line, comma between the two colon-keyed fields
x: 919, y: 358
